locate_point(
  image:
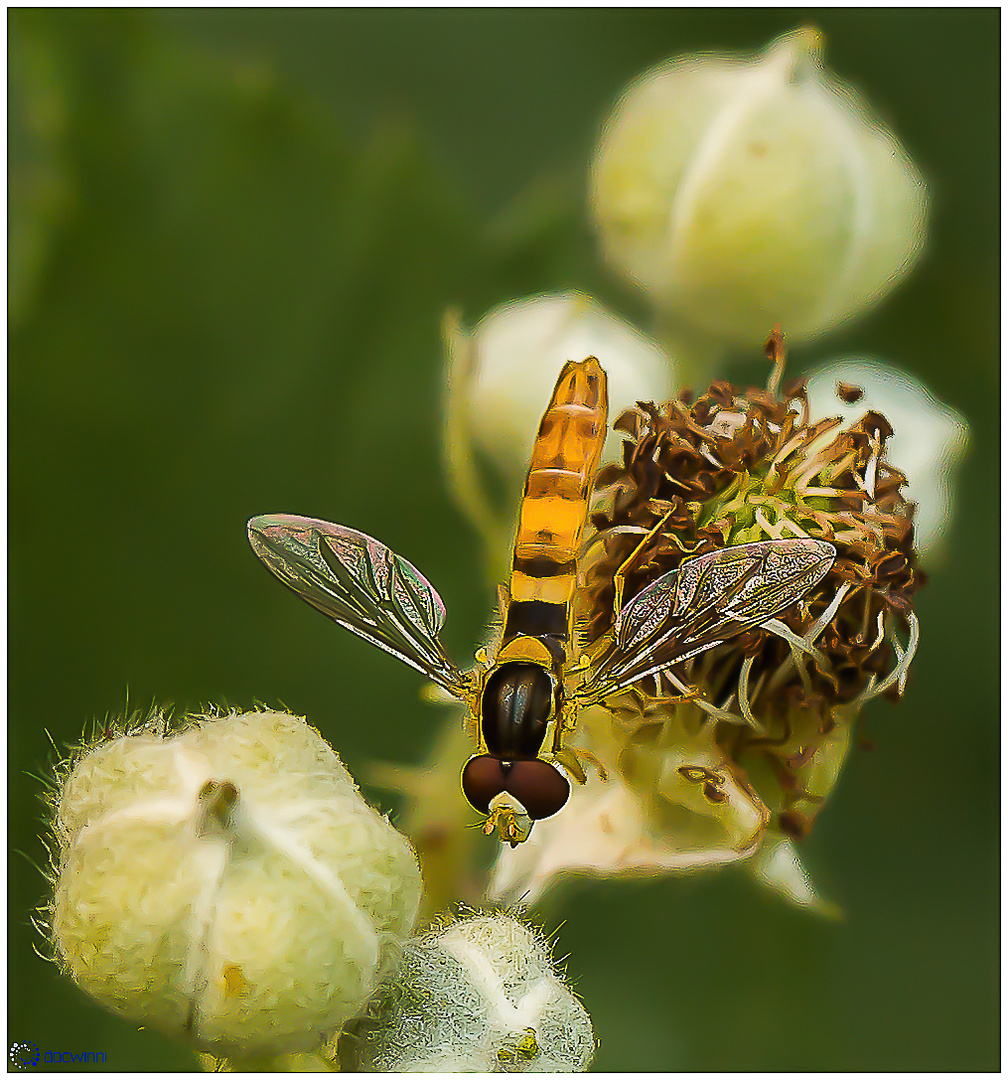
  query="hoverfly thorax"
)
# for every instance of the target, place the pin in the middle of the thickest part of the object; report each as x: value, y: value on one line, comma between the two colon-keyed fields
x: 515, y: 711
x: 520, y: 702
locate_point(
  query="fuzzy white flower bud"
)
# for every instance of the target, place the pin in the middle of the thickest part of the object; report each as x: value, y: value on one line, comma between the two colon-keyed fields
x: 228, y: 884
x: 500, y: 377
x: 480, y: 995
x: 743, y: 192
x: 929, y: 438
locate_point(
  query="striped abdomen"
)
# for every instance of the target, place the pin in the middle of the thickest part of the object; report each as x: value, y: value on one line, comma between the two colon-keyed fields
x: 555, y: 504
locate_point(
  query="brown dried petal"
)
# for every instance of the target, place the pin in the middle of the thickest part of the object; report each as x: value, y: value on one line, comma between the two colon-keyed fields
x: 873, y: 422
x: 848, y: 393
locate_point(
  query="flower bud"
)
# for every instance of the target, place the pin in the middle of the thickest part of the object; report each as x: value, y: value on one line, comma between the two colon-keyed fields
x: 743, y: 192
x: 478, y: 995
x: 929, y: 438
x: 500, y: 377
x: 228, y: 884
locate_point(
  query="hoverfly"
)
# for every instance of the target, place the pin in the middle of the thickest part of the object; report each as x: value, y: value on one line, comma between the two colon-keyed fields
x: 524, y: 698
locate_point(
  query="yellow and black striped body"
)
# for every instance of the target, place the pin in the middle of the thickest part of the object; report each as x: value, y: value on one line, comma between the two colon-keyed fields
x: 555, y: 504
x: 522, y: 693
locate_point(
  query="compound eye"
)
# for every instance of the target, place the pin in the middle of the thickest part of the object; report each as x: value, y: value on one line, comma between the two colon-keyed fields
x: 540, y: 788
x: 482, y: 780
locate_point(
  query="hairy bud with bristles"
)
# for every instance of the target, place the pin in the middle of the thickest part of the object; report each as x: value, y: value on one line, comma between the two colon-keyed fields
x: 479, y: 995
x: 228, y: 884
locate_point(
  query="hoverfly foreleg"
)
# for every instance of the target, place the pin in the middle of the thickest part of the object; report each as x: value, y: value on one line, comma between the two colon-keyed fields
x: 629, y: 564
x: 570, y: 758
x: 692, y: 694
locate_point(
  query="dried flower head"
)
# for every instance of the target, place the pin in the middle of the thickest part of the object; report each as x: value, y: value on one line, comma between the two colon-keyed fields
x: 734, y: 466
x: 226, y: 883
x: 929, y: 439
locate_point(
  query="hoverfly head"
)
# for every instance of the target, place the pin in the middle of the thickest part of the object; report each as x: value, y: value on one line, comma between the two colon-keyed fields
x: 513, y: 794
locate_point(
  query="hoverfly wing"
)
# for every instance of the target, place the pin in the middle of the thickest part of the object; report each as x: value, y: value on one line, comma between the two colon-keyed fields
x: 703, y: 602
x: 362, y: 585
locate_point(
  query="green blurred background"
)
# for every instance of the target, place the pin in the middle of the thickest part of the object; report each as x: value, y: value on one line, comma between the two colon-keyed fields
x: 232, y: 237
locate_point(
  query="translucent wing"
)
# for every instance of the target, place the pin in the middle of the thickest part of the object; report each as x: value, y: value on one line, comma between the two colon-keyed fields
x: 703, y: 602
x: 362, y: 585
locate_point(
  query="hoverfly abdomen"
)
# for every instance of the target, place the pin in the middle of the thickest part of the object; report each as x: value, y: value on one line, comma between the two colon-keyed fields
x: 555, y: 503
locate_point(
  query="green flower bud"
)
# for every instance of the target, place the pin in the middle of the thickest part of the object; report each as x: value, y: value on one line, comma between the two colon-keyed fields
x: 743, y: 192
x: 228, y: 884
x: 478, y: 995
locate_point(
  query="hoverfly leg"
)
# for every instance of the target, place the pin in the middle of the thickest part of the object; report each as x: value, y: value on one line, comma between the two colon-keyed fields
x: 569, y: 757
x: 694, y: 695
x: 686, y: 693
x: 564, y: 722
x: 471, y: 693
x: 600, y: 768
x: 629, y: 564
x: 566, y: 757
x: 503, y: 600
